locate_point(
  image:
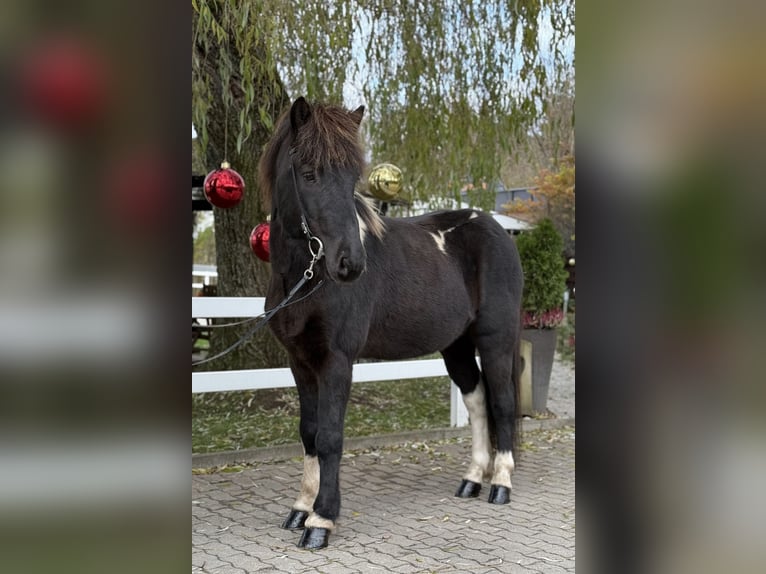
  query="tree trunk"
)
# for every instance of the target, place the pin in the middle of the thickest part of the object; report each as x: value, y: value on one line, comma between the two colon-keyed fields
x: 240, y: 272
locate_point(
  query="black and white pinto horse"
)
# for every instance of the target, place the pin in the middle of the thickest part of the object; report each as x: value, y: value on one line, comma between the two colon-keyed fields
x: 393, y: 288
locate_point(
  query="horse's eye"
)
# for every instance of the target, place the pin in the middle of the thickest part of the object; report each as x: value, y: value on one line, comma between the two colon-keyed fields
x: 310, y: 176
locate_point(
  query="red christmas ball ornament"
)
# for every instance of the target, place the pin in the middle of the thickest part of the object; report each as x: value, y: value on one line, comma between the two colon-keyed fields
x: 259, y: 241
x: 224, y: 187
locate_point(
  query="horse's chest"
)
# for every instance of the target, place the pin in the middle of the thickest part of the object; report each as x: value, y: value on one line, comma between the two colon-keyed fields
x: 301, y: 334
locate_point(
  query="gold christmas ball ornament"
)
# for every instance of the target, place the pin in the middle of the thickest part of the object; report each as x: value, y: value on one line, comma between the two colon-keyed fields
x: 385, y: 181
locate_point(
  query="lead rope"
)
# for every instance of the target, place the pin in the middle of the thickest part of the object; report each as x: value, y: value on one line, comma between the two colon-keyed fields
x: 265, y: 317
x: 316, y: 248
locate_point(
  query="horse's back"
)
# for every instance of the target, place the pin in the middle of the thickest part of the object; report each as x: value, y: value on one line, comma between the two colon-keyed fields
x: 487, y: 256
x: 478, y: 245
x: 431, y: 276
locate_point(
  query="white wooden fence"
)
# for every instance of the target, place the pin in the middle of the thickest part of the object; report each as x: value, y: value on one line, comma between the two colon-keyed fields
x: 252, y: 379
x: 206, y: 272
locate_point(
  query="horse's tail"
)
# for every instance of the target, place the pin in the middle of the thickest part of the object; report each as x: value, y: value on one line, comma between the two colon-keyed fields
x: 515, y: 382
x: 491, y: 426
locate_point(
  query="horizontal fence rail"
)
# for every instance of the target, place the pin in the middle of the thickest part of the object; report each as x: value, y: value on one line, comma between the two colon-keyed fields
x: 218, y: 307
x: 256, y: 379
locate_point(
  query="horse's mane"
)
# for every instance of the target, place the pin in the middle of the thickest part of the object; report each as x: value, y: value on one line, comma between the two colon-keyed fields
x: 369, y: 215
x: 329, y: 137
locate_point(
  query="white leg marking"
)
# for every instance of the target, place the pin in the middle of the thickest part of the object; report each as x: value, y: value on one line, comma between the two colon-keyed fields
x: 316, y: 521
x: 480, y: 444
x: 309, y: 484
x: 474, y: 215
x: 362, y: 228
x: 503, y: 468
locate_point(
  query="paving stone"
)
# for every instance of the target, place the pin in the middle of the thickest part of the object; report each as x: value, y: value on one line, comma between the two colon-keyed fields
x: 406, y: 521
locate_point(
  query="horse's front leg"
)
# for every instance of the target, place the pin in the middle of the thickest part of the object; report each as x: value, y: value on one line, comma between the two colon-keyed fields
x: 334, y: 389
x: 306, y: 382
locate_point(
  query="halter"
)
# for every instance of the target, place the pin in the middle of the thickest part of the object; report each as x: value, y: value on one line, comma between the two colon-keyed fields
x: 317, y: 253
x: 316, y: 248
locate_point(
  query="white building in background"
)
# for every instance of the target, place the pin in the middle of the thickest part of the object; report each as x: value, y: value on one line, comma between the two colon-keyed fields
x: 510, y: 224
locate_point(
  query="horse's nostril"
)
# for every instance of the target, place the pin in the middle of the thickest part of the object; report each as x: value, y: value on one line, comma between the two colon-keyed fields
x: 348, y: 270
x: 343, y: 268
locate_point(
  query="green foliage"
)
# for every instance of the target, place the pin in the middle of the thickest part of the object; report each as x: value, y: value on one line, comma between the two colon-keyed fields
x: 204, y: 247
x: 542, y: 260
x: 451, y: 87
x: 198, y: 159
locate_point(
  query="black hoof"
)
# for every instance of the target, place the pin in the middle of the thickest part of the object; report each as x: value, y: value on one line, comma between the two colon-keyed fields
x: 296, y: 519
x: 468, y: 489
x: 499, y: 494
x: 314, y: 538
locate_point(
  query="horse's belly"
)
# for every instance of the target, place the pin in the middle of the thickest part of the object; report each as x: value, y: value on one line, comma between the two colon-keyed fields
x: 421, y: 311
x: 407, y: 336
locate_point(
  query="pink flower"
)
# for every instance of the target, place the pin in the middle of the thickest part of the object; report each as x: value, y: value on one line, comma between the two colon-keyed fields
x: 547, y: 320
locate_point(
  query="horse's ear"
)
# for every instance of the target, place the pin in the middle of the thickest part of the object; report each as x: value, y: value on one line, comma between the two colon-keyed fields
x: 358, y: 114
x: 300, y: 113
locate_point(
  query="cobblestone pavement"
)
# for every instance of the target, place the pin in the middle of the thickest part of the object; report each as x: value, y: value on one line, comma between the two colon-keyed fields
x: 398, y: 515
x: 561, y: 392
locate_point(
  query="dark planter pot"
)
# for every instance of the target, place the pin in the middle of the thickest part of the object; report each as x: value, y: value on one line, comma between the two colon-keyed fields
x: 543, y: 350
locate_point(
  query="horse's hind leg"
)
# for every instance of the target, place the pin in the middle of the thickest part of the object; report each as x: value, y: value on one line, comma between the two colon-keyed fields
x: 497, y: 356
x: 460, y: 360
x: 306, y: 382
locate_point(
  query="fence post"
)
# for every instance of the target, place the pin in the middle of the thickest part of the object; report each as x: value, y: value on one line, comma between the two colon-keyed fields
x: 458, y: 413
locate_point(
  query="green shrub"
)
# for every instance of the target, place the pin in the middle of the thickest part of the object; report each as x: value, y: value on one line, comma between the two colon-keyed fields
x: 542, y: 261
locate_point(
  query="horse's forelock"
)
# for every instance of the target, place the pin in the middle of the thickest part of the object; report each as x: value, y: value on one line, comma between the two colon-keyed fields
x: 330, y: 137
